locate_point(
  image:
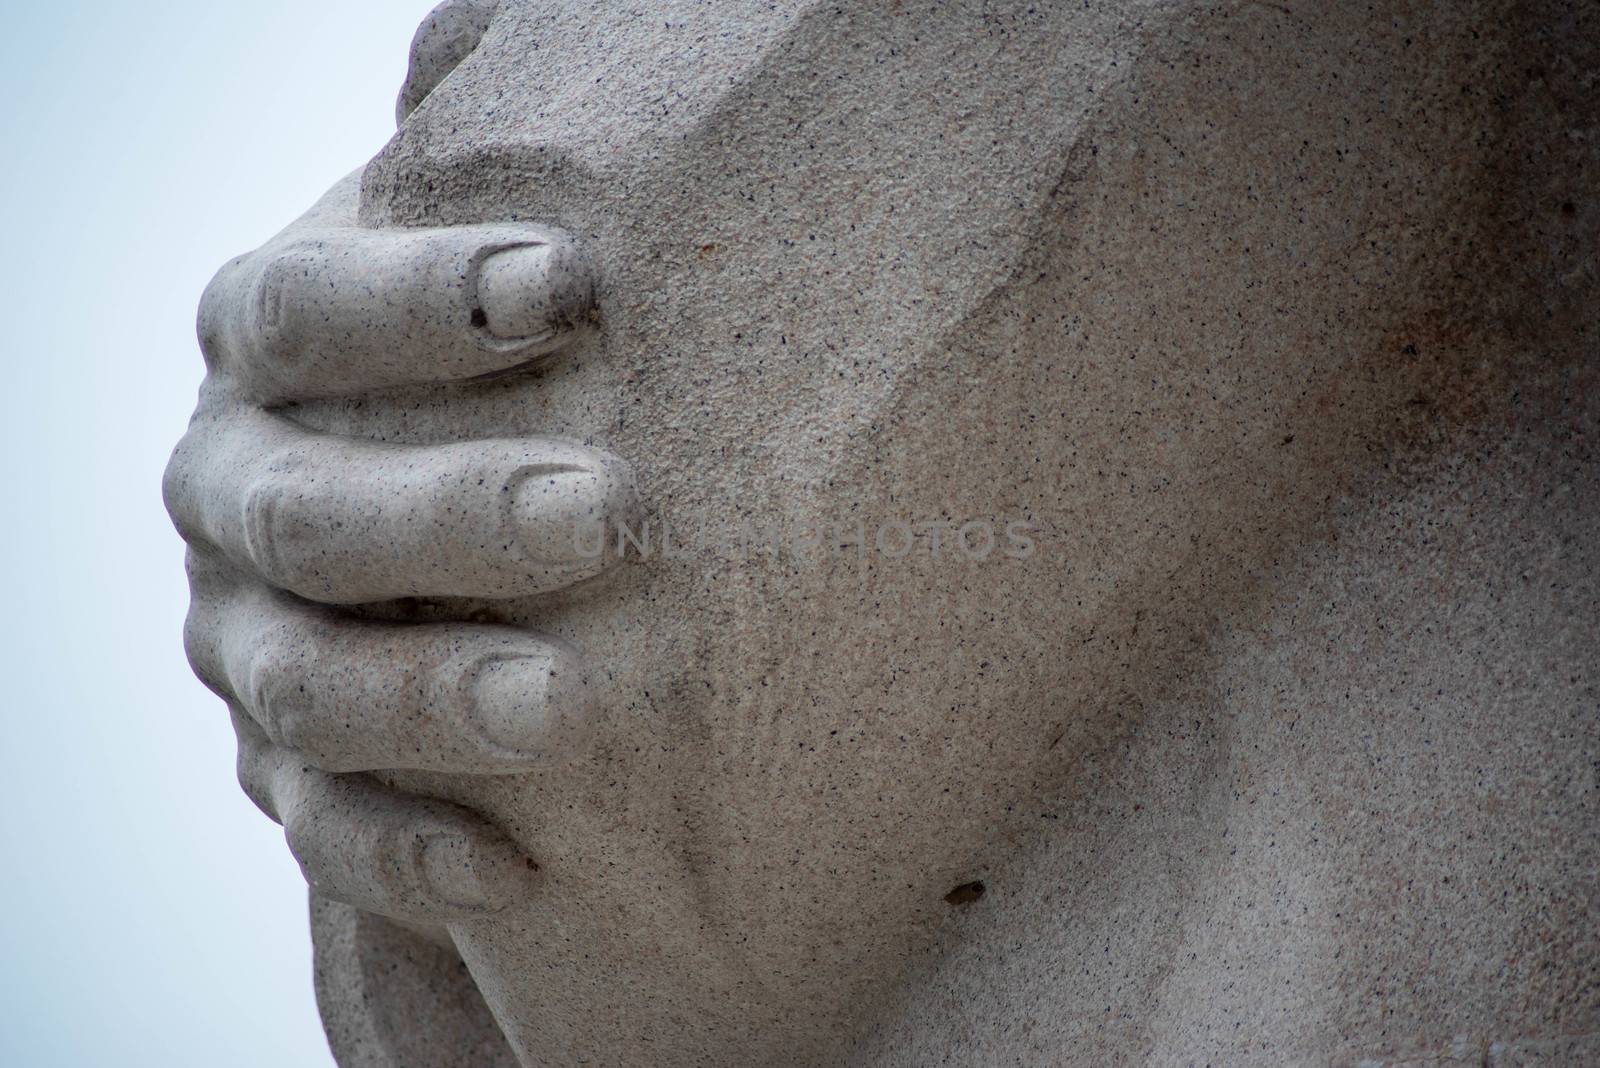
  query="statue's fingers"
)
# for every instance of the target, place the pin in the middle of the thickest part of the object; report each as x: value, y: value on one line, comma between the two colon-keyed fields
x: 341, y: 310
x: 394, y: 854
x: 343, y: 521
x: 356, y: 695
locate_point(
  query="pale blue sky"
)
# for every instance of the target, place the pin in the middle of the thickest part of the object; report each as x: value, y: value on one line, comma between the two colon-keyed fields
x: 149, y: 916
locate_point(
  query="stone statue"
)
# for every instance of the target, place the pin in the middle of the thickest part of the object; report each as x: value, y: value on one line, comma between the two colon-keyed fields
x: 931, y: 532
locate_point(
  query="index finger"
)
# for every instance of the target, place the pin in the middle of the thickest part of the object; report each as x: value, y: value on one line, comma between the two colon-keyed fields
x: 334, y: 310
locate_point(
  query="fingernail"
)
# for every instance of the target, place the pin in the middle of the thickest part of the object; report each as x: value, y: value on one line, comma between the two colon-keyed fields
x: 529, y: 291
x: 511, y: 700
x: 561, y: 514
x: 447, y: 862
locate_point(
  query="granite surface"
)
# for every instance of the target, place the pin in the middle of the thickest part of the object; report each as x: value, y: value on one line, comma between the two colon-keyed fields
x: 1094, y: 510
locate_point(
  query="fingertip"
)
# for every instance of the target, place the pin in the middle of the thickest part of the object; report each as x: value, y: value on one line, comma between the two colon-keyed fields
x: 570, y: 516
x: 470, y: 874
x: 448, y: 34
x: 533, y: 292
x: 534, y: 706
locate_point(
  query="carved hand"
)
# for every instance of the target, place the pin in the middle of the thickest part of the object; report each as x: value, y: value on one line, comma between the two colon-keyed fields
x: 284, y: 524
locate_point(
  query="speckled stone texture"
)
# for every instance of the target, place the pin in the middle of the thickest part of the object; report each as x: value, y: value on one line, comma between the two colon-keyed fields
x: 1272, y: 325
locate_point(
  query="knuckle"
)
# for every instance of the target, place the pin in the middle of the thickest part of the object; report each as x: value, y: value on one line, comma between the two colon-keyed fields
x: 269, y: 311
x: 254, y: 774
x: 249, y: 311
x: 265, y: 527
x: 177, y: 485
x: 185, y: 478
x: 286, y: 270
x: 298, y: 730
x: 247, y: 770
x: 218, y: 310
x: 305, y: 835
x: 284, y: 695
x: 269, y: 673
x: 292, y: 718
x: 200, y: 645
x: 208, y: 579
x: 197, y: 644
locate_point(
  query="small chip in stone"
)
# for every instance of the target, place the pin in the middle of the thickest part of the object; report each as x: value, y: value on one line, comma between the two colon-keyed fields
x: 965, y: 894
